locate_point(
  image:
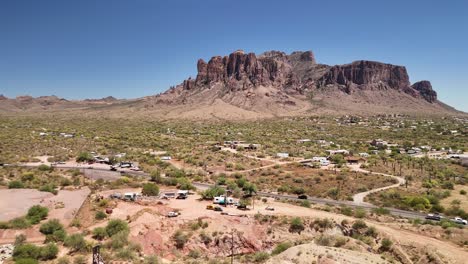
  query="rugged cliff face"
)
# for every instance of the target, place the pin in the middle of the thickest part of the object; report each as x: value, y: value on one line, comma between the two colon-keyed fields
x: 299, y: 73
x: 240, y: 71
x: 425, y: 90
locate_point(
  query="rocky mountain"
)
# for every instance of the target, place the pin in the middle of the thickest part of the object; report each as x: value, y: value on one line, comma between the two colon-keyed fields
x: 272, y: 84
x: 277, y: 84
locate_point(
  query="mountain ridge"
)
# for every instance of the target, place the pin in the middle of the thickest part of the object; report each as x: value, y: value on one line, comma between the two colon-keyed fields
x: 272, y: 84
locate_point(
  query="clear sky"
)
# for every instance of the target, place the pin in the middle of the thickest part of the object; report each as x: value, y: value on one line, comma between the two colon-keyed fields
x: 132, y: 48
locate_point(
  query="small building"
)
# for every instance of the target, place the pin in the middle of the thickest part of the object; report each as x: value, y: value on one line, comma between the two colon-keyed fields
x: 338, y: 151
x: 305, y: 140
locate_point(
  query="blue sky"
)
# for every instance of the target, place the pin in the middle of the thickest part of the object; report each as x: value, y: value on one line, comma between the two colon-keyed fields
x: 128, y: 49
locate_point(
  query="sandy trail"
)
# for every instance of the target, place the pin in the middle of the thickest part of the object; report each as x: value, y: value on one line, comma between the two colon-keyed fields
x: 358, y: 198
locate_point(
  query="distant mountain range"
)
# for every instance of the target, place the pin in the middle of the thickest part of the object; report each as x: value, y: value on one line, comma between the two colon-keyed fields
x: 272, y: 84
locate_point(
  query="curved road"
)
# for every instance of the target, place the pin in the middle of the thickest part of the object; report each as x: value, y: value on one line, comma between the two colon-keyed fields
x: 358, y: 198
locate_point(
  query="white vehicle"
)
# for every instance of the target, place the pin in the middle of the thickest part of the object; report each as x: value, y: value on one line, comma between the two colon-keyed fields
x: 459, y: 220
x: 172, y: 214
x: 223, y: 200
x: 166, y: 158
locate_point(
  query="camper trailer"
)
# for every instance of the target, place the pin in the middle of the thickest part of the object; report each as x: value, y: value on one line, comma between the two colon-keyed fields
x: 223, y: 200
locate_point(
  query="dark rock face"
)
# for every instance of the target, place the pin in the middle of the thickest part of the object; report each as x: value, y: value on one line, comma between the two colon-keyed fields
x: 299, y: 72
x: 425, y: 90
x: 368, y: 74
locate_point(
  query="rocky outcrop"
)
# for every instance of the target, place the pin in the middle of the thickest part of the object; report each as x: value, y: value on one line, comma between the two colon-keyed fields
x: 240, y: 70
x: 2, y: 97
x: 425, y: 90
x: 367, y: 75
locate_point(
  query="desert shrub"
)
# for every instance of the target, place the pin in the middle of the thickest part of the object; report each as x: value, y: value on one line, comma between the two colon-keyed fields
x: 180, y: 238
x: 340, y: 241
x: 26, y: 251
x: 371, y: 231
x: 20, y: 239
x: 63, y: 260
x: 260, y: 257
x: 15, y: 185
x: 44, y: 167
x: 84, y: 157
x: 281, y: 247
x: 75, y: 242
x: 19, y: 223
x: 115, y: 226
x: 462, y: 192
x: 194, y: 253
x: 324, y: 223
x: 75, y: 222
x: 360, y: 213
x: 381, y: 211
x: 386, y: 244
x: 27, y: 176
x: 79, y: 260
x: 119, y: 240
x: 100, y: 215
x: 150, y: 189
x: 57, y: 236
x: 324, y: 240
x: 37, y: 213
x: 99, y: 233
x: 126, y: 254
x: 305, y: 203
x: 49, y: 252
x: 346, y: 210
x: 212, y: 192
x: 359, y: 224
x: 206, y: 239
x: 51, y: 226
x: 48, y: 188
x: 296, y: 225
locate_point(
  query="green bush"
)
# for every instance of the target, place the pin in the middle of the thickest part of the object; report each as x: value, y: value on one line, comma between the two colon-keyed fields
x: 51, y: 226
x: 75, y: 242
x: 99, y: 233
x: 100, y: 215
x: 115, y: 226
x: 119, y: 240
x: 381, y: 211
x: 49, y: 252
x: 180, y: 239
x: 48, y: 188
x: 281, y: 247
x: 84, y: 157
x: 360, y: 213
x: 26, y: 251
x: 260, y: 257
x: 386, y: 244
x: 462, y: 192
x: 296, y: 225
x: 36, y: 214
x: 15, y: 185
x: 19, y: 223
x: 150, y: 189
x: 359, y: 224
x: 44, y: 167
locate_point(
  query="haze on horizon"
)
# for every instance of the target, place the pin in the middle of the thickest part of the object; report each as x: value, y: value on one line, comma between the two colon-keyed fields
x: 93, y: 49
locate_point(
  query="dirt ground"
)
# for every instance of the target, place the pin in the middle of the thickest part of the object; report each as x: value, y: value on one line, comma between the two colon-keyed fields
x: 153, y: 230
x: 455, y: 195
x: 15, y: 203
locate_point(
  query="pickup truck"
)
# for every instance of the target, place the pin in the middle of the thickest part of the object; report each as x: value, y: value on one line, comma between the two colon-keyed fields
x: 459, y: 220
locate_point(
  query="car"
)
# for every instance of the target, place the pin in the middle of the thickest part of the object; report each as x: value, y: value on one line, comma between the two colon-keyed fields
x: 459, y: 220
x: 436, y: 217
x: 116, y: 196
x: 269, y: 208
x: 218, y: 209
x: 209, y: 207
x: 302, y: 197
x: 224, y: 213
x: 172, y: 214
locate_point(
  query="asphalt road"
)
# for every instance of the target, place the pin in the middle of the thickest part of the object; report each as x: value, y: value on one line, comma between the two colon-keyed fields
x: 204, y: 186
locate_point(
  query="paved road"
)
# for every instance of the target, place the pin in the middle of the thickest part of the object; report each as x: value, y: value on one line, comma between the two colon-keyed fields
x: 203, y: 186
